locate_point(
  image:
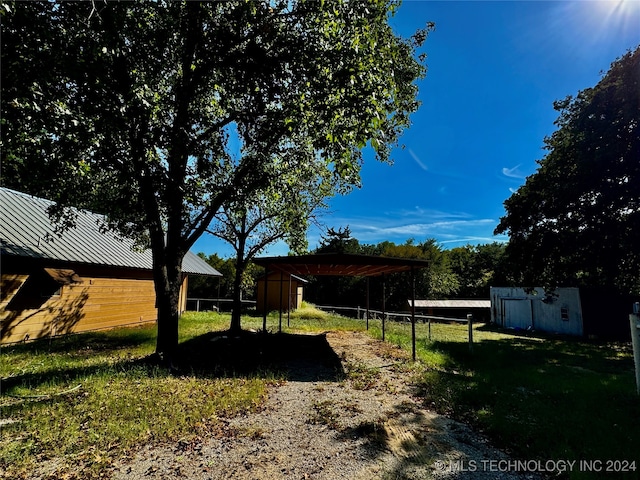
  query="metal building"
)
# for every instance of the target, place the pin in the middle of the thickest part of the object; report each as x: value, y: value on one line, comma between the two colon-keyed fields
x: 84, y: 279
x: 533, y: 309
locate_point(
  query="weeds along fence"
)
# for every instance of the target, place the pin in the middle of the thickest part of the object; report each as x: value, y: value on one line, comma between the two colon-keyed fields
x: 215, y: 304
x: 431, y: 323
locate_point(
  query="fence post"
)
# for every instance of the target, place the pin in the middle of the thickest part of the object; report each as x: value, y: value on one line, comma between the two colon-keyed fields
x: 383, y: 307
x: 429, y: 320
x: 470, y: 323
x: 634, y: 320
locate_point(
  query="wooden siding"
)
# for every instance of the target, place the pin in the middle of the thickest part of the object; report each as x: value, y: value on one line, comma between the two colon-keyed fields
x: 294, y: 295
x: 96, y: 303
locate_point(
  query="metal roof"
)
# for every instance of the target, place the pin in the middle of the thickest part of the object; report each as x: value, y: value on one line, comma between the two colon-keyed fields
x: 452, y: 303
x: 340, y: 264
x: 27, y: 231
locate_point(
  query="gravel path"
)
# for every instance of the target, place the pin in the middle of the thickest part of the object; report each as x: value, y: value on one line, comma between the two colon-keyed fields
x: 323, y: 424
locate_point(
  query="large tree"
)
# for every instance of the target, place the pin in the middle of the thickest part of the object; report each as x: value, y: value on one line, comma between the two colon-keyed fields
x: 478, y: 268
x: 129, y: 109
x: 576, y: 220
x: 281, y: 212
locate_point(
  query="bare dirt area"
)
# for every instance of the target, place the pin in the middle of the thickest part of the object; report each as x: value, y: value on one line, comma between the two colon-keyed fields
x: 350, y: 416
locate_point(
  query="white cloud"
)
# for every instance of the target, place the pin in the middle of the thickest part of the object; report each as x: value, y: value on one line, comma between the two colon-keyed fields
x: 418, y: 161
x: 419, y: 224
x: 513, y: 172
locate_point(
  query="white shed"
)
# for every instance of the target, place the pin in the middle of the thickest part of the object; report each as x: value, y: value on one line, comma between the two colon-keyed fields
x: 560, y: 312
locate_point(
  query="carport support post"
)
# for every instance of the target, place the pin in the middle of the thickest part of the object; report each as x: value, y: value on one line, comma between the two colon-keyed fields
x: 264, y: 301
x: 413, y: 313
x: 634, y: 320
x: 383, y: 307
x: 280, y: 318
x: 289, y: 305
x: 219, y: 293
x: 367, y: 303
x: 470, y: 323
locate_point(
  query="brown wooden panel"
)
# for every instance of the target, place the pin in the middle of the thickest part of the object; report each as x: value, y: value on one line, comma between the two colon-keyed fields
x: 9, y: 285
x: 114, y: 322
x: 109, y: 326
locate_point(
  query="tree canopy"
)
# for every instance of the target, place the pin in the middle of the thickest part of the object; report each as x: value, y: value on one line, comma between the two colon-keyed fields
x: 283, y: 211
x: 437, y: 281
x: 575, y: 221
x: 159, y: 113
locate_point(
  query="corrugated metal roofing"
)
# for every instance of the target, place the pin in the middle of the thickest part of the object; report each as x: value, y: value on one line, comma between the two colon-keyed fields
x: 452, y: 303
x: 26, y: 231
x: 339, y: 264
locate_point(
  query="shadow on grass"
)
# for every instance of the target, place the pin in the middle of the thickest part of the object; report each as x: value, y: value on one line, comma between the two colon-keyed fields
x: 296, y: 356
x: 541, y: 398
x: 212, y: 355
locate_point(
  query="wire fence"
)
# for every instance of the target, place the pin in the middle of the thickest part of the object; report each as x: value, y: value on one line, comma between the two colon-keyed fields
x: 426, y: 327
x: 431, y: 325
x: 215, y: 304
x: 361, y: 314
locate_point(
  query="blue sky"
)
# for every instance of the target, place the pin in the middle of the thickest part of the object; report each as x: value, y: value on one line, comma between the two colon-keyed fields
x: 494, y: 71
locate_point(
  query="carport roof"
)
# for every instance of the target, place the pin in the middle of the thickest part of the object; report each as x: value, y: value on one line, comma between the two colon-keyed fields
x: 340, y: 264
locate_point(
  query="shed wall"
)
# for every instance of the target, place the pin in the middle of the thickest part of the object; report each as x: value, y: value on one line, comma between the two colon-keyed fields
x: 513, y: 307
x: 291, y: 292
x: 98, y: 302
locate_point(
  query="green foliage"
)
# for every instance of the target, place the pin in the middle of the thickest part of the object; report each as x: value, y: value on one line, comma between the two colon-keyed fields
x: 133, y: 109
x: 574, y: 222
x: 207, y: 287
x: 86, y: 400
x: 339, y: 241
x: 436, y: 281
x: 479, y: 267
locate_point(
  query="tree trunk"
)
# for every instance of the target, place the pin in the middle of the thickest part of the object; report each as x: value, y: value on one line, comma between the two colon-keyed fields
x: 168, y: 281
x: 236, y: 311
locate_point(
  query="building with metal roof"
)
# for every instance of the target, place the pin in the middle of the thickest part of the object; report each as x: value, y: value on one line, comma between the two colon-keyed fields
x: 83, y: 279
x: 26, y: 231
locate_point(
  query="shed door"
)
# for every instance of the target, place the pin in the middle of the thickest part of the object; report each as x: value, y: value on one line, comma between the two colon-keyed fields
x: 517, y: 313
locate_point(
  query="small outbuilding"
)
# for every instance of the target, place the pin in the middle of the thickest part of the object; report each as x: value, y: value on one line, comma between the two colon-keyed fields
x: 592, y: 312
x: 533, y: 309
x: 284, y: 292
x: 85, y: 279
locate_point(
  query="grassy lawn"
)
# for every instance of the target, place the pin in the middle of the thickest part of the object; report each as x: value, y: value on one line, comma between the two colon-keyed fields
x: 538, y: 398
x: 86, y: 400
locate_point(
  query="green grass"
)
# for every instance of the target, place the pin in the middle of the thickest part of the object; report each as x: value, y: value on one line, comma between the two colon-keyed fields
x: 86, y: 400
x: 307, y: 318
x: 89, y: 399
x: 538, y: 398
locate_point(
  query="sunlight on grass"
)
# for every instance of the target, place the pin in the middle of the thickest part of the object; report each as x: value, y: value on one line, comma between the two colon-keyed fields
x: 87, y: 399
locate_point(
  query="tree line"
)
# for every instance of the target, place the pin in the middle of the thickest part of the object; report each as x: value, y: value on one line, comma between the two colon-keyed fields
x: 240, y: 118
x: 462, y: 272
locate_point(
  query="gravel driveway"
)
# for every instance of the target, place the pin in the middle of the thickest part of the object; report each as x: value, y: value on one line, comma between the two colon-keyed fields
x: 357, y: 421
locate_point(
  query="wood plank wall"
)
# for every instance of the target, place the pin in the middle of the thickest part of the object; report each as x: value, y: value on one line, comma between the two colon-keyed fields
x: 98, y: 302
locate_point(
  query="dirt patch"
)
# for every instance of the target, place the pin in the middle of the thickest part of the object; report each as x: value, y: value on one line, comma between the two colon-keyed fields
x: 355, y: 417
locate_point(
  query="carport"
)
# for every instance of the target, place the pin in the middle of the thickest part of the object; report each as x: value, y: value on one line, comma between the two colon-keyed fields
x: 339, y: 264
